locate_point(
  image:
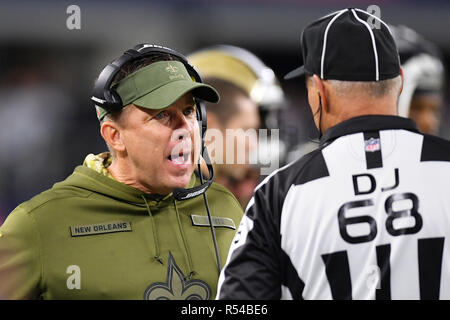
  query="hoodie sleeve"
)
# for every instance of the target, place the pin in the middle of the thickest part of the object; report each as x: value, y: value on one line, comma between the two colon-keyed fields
x: 20, y: 265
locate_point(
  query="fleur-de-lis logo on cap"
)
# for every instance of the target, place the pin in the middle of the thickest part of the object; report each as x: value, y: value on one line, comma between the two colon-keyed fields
x: 177, y: 287
x: 171, y: 69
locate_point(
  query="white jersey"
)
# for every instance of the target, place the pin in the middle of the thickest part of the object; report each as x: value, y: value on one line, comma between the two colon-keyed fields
x: 365, y: 216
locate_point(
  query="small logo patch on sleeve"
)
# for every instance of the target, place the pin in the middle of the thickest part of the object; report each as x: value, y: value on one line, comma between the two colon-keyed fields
x: 218, y: 222
x: 100, y: 228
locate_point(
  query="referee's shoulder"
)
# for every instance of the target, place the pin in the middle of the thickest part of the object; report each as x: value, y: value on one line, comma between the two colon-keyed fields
x: 435, y: 149
x: 307, y: 168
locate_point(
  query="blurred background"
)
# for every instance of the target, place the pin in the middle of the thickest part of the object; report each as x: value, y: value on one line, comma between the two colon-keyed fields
x: 47, y: 69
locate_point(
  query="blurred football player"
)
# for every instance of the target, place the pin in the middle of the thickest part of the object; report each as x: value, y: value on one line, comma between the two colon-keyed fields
x: 251, y: 98
x: 424, y: 78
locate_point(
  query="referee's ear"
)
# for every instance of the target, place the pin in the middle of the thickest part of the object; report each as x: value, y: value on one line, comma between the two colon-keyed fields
x: 401, y: 75
x: 321, y: 91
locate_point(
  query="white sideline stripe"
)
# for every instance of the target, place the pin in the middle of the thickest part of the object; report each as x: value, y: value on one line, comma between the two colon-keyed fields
x: 325, y: 40
x: 377, y: 72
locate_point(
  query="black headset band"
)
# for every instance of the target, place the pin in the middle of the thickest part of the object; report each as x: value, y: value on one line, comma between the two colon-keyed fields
x: 101, y: 93
x: 106, y: 97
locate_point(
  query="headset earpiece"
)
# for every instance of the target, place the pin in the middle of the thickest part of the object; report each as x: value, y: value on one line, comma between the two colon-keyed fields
x: 114, y: 100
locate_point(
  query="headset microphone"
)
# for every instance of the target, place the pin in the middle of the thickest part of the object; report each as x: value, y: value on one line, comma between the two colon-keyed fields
x: 184, y: 194
x: 181, y: 194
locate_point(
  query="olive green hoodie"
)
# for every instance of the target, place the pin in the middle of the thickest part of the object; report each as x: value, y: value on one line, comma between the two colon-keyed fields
x: 91, y: 237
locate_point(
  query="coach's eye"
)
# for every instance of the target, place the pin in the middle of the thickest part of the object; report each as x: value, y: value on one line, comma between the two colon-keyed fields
x: 161, y: 115
x: 189, y: 111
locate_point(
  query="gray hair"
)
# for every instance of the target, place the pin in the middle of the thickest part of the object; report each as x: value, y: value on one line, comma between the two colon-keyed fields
x: 373, y: 89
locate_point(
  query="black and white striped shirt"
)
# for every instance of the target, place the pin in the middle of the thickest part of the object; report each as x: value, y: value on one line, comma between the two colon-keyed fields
x: 365, y: 216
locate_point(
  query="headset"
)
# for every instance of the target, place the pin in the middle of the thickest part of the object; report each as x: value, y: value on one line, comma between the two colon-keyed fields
x: 107, y: 98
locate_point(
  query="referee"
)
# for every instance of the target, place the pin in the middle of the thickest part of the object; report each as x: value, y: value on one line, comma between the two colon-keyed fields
x: 367, y: 214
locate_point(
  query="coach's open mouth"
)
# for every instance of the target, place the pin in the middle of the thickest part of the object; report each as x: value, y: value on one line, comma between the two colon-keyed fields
x: 182, y: 157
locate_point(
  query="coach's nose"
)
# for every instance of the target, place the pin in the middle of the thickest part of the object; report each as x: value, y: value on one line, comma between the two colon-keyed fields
x: 182, y: 126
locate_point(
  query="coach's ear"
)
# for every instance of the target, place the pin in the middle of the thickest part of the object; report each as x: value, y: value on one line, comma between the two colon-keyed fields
x: 111, y: 134
x: 321, y: 91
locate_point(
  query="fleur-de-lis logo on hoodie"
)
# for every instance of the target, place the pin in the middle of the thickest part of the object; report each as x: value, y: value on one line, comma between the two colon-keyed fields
x: 177, y: 287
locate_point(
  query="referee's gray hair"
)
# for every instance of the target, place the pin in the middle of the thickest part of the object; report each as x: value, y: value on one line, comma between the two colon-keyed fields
x: 373, y: 89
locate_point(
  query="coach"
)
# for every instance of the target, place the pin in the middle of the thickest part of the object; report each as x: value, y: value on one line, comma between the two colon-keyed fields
x: 367, y: 214
x: 128, y: 224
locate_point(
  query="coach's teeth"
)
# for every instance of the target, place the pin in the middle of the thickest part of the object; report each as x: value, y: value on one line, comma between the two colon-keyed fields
x: 178, y: 159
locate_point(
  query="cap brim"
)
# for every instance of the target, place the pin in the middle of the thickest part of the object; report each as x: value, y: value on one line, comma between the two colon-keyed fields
x: 167, y: 94
x: 300, y: 71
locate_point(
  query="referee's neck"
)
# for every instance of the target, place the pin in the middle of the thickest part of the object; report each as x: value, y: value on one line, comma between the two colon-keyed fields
x: 342, y: 109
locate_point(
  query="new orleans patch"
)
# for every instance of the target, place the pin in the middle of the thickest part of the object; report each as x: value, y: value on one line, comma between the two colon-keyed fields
x: 100, y: 228
x: 177, y: 287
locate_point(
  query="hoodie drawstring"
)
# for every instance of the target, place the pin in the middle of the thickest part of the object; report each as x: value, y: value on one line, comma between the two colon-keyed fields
x: 157, y: 256
x: 186, y: 247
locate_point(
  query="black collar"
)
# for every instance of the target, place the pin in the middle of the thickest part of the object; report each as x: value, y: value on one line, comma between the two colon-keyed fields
x: 367, y: 123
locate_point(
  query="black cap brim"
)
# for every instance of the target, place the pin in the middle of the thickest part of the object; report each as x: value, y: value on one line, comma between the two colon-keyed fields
x: 300, y: 71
